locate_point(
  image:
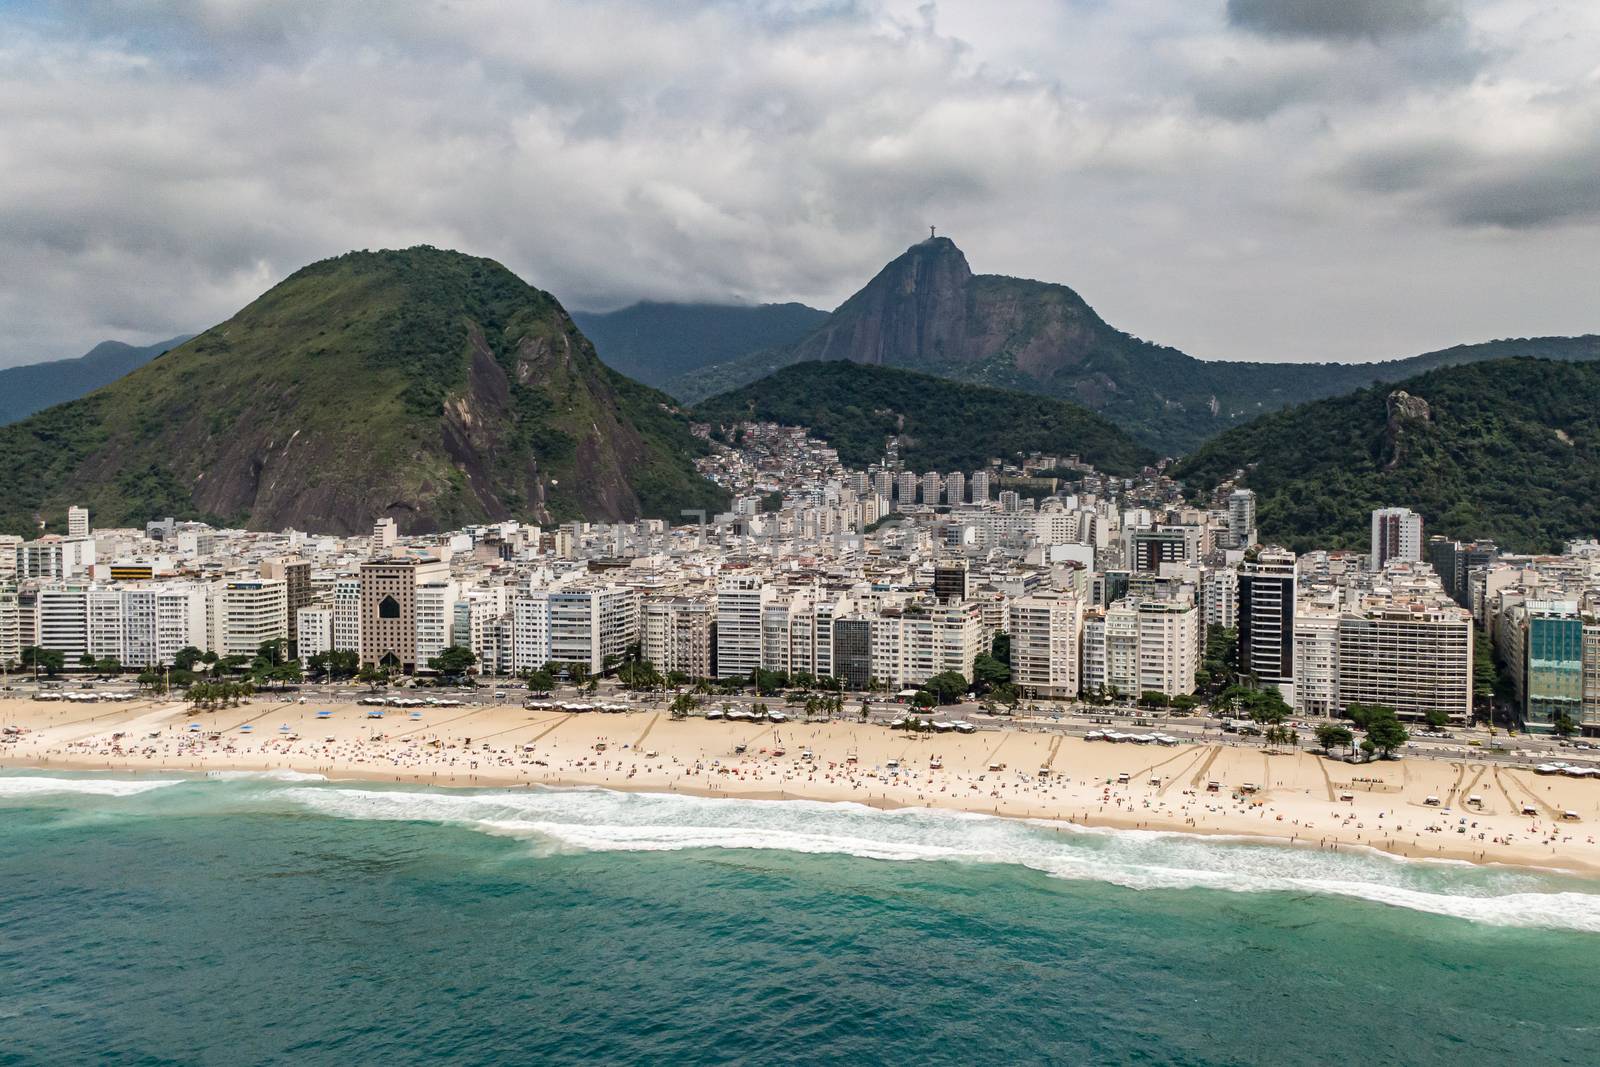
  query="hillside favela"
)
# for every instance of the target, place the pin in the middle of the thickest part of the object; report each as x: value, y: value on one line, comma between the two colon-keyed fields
x: 483, y: 607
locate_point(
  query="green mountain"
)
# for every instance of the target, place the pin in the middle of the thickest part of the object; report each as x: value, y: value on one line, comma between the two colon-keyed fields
x: 654, y: 342
x: 927, y: 311
x: 426, y: 385
x: 1507, y: 449
x: 36, y: 386
x: 942, y: 425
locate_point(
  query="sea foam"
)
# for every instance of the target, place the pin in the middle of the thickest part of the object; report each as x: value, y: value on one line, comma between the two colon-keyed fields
x: 281, y: 775
x: 35, y: 786
x: 603, y: 820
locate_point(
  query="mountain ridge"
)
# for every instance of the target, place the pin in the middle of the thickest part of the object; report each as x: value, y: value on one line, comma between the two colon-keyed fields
x: 652, y: 341
x: 35, y: 386
x: 927, y: 311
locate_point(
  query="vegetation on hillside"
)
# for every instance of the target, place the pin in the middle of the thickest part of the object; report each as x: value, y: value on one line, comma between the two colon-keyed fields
x: 1508, y: 450
x: 424, y: 384
x: 942, y: 425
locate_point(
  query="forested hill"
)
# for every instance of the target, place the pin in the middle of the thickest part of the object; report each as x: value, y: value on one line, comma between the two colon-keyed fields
x: 425, y: 385
x: 1508, y: 449
x: 944, y: 425
x: 652, y: 342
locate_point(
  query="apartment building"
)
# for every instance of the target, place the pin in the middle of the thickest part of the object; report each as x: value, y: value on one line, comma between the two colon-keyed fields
x: 314, y: 627
x: 676, y: 636
x: 245, y: 613
x: 741, y: 605
x: 1266, y: 587
x: 1414, y: 657
x: 1046, y: 631
x: 1396, y: 536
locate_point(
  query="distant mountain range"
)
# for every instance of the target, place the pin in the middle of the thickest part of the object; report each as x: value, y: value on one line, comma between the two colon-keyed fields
x: 426, y: 385
x: 927, y: 311
x: 36, y: 386
x: 655, y: 342
x: 1505, y: 449
x: 942, y: 425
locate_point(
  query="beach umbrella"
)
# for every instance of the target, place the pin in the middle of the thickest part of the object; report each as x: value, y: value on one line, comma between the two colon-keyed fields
x: 324, y: 714
x: 284, y: 728
x: 194, y: 728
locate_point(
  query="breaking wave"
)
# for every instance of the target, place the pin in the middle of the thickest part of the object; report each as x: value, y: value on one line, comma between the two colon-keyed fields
x: 23, y: 787
x: 604, y: 820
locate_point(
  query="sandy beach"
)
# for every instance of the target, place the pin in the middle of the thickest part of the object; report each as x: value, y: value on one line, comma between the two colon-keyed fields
x: 1295, y: 797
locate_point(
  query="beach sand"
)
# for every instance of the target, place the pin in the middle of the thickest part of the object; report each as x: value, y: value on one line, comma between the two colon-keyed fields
x: 1298, y: 797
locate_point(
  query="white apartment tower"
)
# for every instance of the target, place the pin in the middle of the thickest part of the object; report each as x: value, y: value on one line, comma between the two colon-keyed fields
x: 1242, y: 518
x: 1045, y: 634
x: 77, y: 521
x: 741, y: 600
x: 1396, y: 535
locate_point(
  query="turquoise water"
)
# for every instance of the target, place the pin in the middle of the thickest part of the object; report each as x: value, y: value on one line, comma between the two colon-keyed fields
x: 273, y: 921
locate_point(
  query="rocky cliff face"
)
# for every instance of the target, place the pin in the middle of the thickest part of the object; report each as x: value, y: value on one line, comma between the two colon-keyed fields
x: 425, y: 385
x: 912, y: 314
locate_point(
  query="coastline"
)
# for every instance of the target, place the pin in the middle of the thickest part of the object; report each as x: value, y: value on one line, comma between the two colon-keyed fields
x: 1295, y: 803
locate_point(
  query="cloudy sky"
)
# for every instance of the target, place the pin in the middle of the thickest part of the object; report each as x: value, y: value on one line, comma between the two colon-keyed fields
x: 1244, y: 179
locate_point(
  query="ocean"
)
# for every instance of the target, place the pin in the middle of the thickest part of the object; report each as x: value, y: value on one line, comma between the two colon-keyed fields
x: 283, y: 919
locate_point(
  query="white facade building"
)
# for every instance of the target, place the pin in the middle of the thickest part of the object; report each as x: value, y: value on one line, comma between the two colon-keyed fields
x: 1045, y: 634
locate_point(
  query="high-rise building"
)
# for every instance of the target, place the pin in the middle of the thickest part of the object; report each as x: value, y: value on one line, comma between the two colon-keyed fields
x: 55, y: 558
x: 1266, y: 616
x: 10, y: 627
x: 1316, y: 660
x: 385, y: 534
x: 912, y: 643
x: 389, y: 609
x: 1453, y: 561
x: 314, y: 627
x: 932, y: 488
x: 347, y: 614
x: 1396, y: 535
x: 1010, y: 500
x: 296, y: 575
x: 676, y: 636
x: 1045, y: 633
x: 950, y: 580
x: 955, y: 488
x: 1242, y: 518
x: 741, y: 600
x: 852, y: 651
x: 906, y: 489
x: 77, y: 521
x: 1149, y: 549
x: 436, y: 613
x: 980, y: 487
x: 1417, y: 659
x: 246, y: 613
x: 1219, y: 597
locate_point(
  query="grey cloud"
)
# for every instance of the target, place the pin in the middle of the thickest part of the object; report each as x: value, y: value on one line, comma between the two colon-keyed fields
x: 162, y: 163
x: 1340, y: 19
